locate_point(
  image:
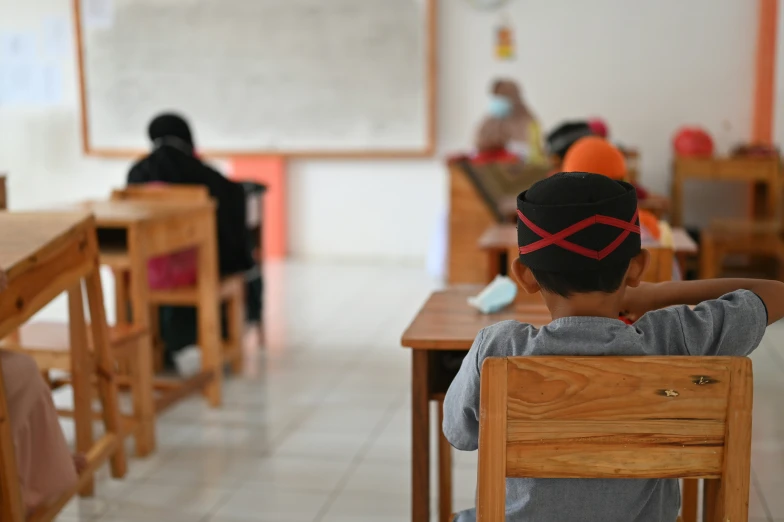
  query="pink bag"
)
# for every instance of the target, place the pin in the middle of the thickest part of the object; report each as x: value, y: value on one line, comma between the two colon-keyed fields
x: 172, y: 270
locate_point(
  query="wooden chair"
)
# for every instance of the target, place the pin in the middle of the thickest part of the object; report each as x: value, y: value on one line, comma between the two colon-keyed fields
x: 617, y: 417
x: 86, y: 369
x: 232, y: 287
x: 53, y: 347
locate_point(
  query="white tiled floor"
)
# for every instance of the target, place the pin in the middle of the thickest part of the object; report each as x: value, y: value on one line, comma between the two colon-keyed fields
x: 319, y: 429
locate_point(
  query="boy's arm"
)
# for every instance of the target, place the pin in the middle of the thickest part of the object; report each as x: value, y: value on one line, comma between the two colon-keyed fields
x: 461, y: 405
x: 653, y: 296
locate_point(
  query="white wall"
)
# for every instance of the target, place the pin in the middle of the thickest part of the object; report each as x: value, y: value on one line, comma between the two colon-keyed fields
x: 778, y: 107
x: 647, y: 69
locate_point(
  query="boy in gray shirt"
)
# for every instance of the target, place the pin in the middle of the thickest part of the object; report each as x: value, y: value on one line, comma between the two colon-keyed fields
x: 580, y: 247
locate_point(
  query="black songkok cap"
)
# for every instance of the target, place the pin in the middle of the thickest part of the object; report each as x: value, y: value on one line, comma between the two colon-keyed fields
x: 565, y: 135
x: 575, y: 221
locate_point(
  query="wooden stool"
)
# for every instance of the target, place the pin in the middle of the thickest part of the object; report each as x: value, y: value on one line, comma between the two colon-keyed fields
x: 699, y: 429
x: 231, y: 288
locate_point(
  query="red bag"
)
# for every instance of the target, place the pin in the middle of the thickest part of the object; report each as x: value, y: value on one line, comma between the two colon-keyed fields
x: 692, y: 141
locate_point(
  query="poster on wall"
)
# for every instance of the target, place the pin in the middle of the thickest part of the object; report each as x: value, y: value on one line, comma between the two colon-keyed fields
x: 29, y: 76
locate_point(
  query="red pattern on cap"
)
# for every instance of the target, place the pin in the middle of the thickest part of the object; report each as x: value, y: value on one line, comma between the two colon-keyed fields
x: 559, y: 238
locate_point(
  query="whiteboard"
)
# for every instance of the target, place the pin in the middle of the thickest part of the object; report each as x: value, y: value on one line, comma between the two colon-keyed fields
x: 298, y: 77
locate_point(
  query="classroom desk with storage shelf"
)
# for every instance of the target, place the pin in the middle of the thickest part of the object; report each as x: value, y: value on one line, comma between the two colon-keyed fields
x: 131, y: 233
x: 764, y: 173
x: 439, y: 336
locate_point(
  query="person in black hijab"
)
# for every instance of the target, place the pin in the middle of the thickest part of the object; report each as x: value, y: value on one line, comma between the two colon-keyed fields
x: 173, y: 160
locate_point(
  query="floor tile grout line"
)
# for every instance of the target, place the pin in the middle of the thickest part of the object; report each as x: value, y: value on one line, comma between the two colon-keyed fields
x: 359, y: 456
x: 755, y: 482
x: 296, y: 423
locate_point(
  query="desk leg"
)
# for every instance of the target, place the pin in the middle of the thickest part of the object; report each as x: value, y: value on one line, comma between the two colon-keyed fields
x: 143, y: 393
x: 105, y: 368
x: 677, y: 198
x: 81, y: 373
x: 208, y: 313
x: 690, y: 495
x: 444, y: 470
x: 493, y: 264
x: 710, y: 498
x: 420, y: 437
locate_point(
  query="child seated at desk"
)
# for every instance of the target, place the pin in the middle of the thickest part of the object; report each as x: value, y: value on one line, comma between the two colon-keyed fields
x: 586, y: 279
x: 45, y: 465
x: 174, y: 160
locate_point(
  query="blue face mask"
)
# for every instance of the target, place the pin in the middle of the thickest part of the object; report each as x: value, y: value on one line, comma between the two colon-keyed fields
x: 500, y: 106
x: 496, y: 296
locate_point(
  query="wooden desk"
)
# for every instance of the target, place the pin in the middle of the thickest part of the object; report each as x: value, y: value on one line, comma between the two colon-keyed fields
x: 44, y: 255
x: 446, y: 326
x: 141, y: 230
x: 501, y: 239
x: 762, y: 172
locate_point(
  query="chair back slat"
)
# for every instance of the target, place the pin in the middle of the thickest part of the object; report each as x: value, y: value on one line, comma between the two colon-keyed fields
x: 616, y: 417
x: 155, y: 192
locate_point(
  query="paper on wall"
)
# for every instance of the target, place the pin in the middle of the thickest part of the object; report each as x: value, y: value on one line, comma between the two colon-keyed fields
x: 56, y: 36
x: 17, y: 47
x: 98, y: 14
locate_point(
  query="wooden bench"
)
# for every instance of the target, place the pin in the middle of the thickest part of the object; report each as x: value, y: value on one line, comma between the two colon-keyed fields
x: 617, y: 417
x: 231, y: 288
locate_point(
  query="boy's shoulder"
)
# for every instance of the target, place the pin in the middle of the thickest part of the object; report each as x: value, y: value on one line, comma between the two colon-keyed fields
x: 501, y: 338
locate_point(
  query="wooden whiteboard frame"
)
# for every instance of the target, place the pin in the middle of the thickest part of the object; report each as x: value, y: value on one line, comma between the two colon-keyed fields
x: 431, y: 92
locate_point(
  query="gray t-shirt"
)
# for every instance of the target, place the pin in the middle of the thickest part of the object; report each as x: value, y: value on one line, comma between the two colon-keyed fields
x: 732, y: 325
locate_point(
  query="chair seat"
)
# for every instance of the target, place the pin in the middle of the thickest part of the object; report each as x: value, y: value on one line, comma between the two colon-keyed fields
x: 53, y: 336
x: 116, y: 259
x: 230, y: 286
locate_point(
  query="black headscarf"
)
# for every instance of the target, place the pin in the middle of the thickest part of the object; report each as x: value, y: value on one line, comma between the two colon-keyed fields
x: 173, y: 161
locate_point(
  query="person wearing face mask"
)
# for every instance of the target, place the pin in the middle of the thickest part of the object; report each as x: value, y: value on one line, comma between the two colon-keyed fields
x: 510, y: 128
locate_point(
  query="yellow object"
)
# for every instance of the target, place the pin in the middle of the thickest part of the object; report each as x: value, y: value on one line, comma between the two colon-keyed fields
x: 665, y: 239
x: 536, y: 155
x: 504, y: 48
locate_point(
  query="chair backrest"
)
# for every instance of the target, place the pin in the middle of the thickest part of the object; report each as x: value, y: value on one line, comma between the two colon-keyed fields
x: 162, y: 192
x: 11, y: 507
x: 617, y: 417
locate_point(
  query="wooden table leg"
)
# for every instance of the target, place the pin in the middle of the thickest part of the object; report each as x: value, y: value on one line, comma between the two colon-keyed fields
x: 143, y: 397
x: 444, y: 470
x: 709, y: 262
x: 420, y: 437
x: 493, y: 264
x: 81, y: 373
x: 677, y: 198
x: 105, y: 368
x: 142, y: 390
x: 689, y: 502
x: 710, y: 497
x: 209, y: 313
